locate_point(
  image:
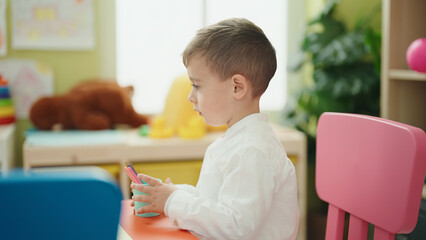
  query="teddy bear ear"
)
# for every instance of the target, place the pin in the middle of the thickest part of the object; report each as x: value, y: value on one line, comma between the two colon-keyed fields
x: 129, y: 90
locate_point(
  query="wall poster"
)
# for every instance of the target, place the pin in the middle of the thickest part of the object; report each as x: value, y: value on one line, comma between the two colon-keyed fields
x: 52, y: 24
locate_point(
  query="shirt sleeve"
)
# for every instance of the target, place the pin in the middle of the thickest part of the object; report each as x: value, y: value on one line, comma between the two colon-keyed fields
x: 187, y: 188
x: 243, y: 200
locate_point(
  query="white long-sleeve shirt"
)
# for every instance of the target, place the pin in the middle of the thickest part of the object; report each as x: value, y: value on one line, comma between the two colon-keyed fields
x: 246, y: 190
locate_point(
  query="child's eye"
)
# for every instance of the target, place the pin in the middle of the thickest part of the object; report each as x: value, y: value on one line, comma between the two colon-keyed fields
x: 195, y: 86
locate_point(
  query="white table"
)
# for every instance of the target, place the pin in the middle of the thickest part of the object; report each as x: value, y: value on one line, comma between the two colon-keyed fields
x: 135, y: 148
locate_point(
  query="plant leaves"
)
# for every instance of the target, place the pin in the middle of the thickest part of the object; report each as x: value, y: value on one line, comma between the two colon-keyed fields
x: 373, y: 42
x: 345, y: 49
x: 318, y: 39
x: 346, y: 80
x: 329, y: 7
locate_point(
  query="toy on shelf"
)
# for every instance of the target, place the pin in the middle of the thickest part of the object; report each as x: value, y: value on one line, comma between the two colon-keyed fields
x: 177, y: 109
x: 144, y: 130
x: 159, y: 129
x: 7, y: 111
x: 196, y: 128
x: 90, y: 105
x: 416, y: 55
x: 179, y: 116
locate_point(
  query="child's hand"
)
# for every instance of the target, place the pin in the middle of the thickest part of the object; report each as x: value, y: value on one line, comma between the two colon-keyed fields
x: 158, y: 193
x: 132, y: 203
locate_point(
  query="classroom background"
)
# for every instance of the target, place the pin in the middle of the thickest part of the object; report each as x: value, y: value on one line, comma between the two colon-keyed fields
x: 333, y: 56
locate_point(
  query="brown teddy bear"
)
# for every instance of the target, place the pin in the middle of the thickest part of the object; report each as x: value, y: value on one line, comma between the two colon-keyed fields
x: 91, y: 105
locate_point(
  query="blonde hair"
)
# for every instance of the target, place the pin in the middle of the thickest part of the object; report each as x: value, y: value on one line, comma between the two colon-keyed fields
x: 235, y: 46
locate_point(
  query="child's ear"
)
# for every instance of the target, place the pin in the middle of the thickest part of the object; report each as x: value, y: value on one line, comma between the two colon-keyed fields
x: 241, y: 86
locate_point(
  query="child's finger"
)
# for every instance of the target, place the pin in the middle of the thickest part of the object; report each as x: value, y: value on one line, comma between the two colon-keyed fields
x: 132, y: 203
x: 142, y: 188
x: 141, y: 210
x: 145, y: 209
x: 142, y: 198
x: 150, y: 180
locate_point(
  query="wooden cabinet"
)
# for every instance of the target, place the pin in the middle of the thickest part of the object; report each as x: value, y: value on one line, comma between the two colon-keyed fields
x: 403, y: 91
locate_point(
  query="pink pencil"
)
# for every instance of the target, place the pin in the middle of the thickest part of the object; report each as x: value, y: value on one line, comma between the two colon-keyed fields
x: 132, y: 175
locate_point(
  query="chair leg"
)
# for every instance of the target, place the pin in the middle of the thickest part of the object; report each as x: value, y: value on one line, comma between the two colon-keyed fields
x: 358, y: 228
x: 381, y: 234
x: 335, y: 223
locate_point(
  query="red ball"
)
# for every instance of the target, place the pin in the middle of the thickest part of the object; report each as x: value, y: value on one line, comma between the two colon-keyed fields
x: 416, y: 55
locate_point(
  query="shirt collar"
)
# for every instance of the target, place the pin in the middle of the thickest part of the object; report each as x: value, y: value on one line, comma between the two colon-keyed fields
x: 247, y: 120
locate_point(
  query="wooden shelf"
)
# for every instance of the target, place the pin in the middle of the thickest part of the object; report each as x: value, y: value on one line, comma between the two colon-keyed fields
x: 402, y: 90
x: 406, y: 75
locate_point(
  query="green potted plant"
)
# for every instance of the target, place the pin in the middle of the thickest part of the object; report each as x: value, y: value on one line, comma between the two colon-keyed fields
x: 346, y: 68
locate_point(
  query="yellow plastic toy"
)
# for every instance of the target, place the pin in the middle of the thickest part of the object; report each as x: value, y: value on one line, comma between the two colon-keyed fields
x: 196, y: 128
x: 159, y: 128
x: 177, y: 109
x: 179, y: 115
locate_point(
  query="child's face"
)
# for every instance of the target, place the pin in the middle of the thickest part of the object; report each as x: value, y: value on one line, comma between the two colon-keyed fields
x: 212, y: 97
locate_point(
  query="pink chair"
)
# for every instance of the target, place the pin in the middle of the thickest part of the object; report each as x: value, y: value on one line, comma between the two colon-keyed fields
x: 372, y: 168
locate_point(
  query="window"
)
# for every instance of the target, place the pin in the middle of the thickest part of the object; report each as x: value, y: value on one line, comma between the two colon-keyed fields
x: 151, y: 35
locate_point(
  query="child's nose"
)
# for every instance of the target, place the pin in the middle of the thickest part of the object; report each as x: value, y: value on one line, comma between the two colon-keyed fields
x: 191, y: 97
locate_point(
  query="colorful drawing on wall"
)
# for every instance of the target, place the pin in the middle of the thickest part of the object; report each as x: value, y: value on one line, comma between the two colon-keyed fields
x: 28, y: 81
x: 53, y: 24
x: 3, y: 37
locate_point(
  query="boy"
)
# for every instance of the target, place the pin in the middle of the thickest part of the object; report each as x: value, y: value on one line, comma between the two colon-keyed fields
x: 247, y: 186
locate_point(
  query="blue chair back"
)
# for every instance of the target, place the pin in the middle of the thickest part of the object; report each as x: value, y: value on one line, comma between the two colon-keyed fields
x: 59, y: 203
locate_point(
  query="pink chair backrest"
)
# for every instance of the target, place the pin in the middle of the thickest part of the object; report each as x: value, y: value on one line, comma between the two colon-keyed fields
x: 372, y: 168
